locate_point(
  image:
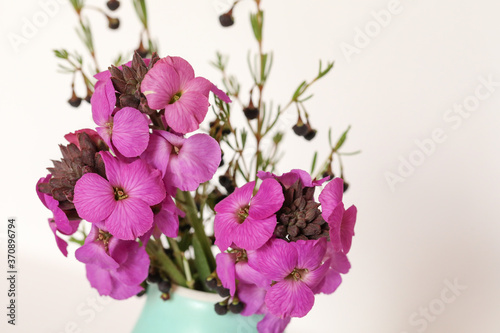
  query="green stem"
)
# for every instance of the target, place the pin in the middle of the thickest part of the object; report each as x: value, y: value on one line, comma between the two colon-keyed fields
x: 157, y: 253
x: 197, y: 224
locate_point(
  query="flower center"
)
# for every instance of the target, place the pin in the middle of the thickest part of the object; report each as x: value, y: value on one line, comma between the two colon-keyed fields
x: 175, y: 98
x: 104, y: 237
x: 243, y: 214
x: 176, y: 150
x: 297, y: 274
x: 120, y: 194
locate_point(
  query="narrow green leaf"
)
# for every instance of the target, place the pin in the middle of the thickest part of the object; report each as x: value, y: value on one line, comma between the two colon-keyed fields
x: 314, y: 162
x: 342, y: 138
x: 201, y: 263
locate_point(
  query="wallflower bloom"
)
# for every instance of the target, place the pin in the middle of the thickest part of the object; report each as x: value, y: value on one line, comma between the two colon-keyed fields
x: 184, y: 163
x: 234, y: 266
x: 127, y: 130
x: 341, y: 221
x: 171, y: 85
x: 296, y: 268
x: 114, y: 267
x: 248, y: 221
x: 123, y: 201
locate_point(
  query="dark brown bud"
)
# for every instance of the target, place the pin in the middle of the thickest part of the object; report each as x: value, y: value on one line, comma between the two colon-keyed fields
x: 113, y: 23
x: 310, y: 134
x: 236, y: 306
x: 221, y: 308
x: 300, y: 128
x: 153, y: 278
x: 113, y: 4
x: 164, y: 286
x: 251, y: 112
x: 227, y: 19
x: 223, y: 292
x: 211, y: 282
x: 74, y: 101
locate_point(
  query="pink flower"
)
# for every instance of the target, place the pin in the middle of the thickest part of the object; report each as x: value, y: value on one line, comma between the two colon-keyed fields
x: 126, y: 130
x: 171, y: 85
x: 114, y: 267
x: 234, y: 266
x: 341, y: 221
x: 60, y: 223
x: 124, y: 200
x: 272, y: 324
x: 184, y: 163
x: 248, y: 221
x: 296, y: 269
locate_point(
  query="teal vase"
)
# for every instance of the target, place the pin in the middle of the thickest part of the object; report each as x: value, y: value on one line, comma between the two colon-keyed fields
x: 189, y: 311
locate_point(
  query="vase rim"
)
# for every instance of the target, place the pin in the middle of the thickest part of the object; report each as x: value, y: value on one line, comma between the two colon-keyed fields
x: 196, y: 294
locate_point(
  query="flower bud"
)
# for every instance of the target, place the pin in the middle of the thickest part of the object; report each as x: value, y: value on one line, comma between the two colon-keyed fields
x: 113, y: 4
x: 74, y: 101
x: 227, y: 19
x: 223, y: 292
x: 300, y: 128
x: 164, y: 286
x: 346, y: 186
x: 251, y: 112
x: 310, y: 134
x: 221, y: 308
x: 211, y: 282
x: 113, y: 23
x: 236, y: 306
x: 142, y: 51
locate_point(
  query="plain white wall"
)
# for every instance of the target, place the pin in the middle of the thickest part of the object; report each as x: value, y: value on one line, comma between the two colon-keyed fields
x: 437, y: 225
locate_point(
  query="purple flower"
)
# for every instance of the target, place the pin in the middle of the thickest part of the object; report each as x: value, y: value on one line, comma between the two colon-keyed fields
x: 234, y: 266
x: 248, y: 221
x: 184, y: 163
x: 123, y: 201
x: 126, y: 130
x: 114, y: 267
x: 60, y: 222
x: 171, y: 85
x: 296, y: 268
x: 341, y: 221
x: 272, y: 324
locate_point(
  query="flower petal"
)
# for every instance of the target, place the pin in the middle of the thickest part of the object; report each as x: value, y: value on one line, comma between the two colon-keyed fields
x: 196, y: 162
x: 182, y: 67
x: 347, y: 228
x: 100, y: 279
x: 130, y: 133
x: 334, y: 222
x: 131, y: 218
x: 61, y: 243
x: 276, y: 259
x: 103, y: 103
x: 95, y: 254
x: 226, y: 270
x: 236, y: 200
x: 186, y: 114
x: 224, y: 225
x: 135, y: 269
x: 158, y: 152
x: 273, y: 324
x: 311, y: 253
x: 253, y: 297
x: 330, y: 283
x: 94, y: 198
x: 331, y: 196
x: 160, y: 84
x: 253, y: 233
x: 167, y: 220
x: 267, y: 201
x: 289, y: 298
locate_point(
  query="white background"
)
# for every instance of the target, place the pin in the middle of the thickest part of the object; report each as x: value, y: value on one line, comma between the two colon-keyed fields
x: 440, y: 223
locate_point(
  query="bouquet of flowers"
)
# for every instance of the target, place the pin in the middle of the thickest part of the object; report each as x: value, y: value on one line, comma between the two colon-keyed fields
x: 137, y: 193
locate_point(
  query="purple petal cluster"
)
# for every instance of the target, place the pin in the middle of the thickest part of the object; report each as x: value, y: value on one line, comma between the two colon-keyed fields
x: 276, y: 276
x: 124, y: 179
